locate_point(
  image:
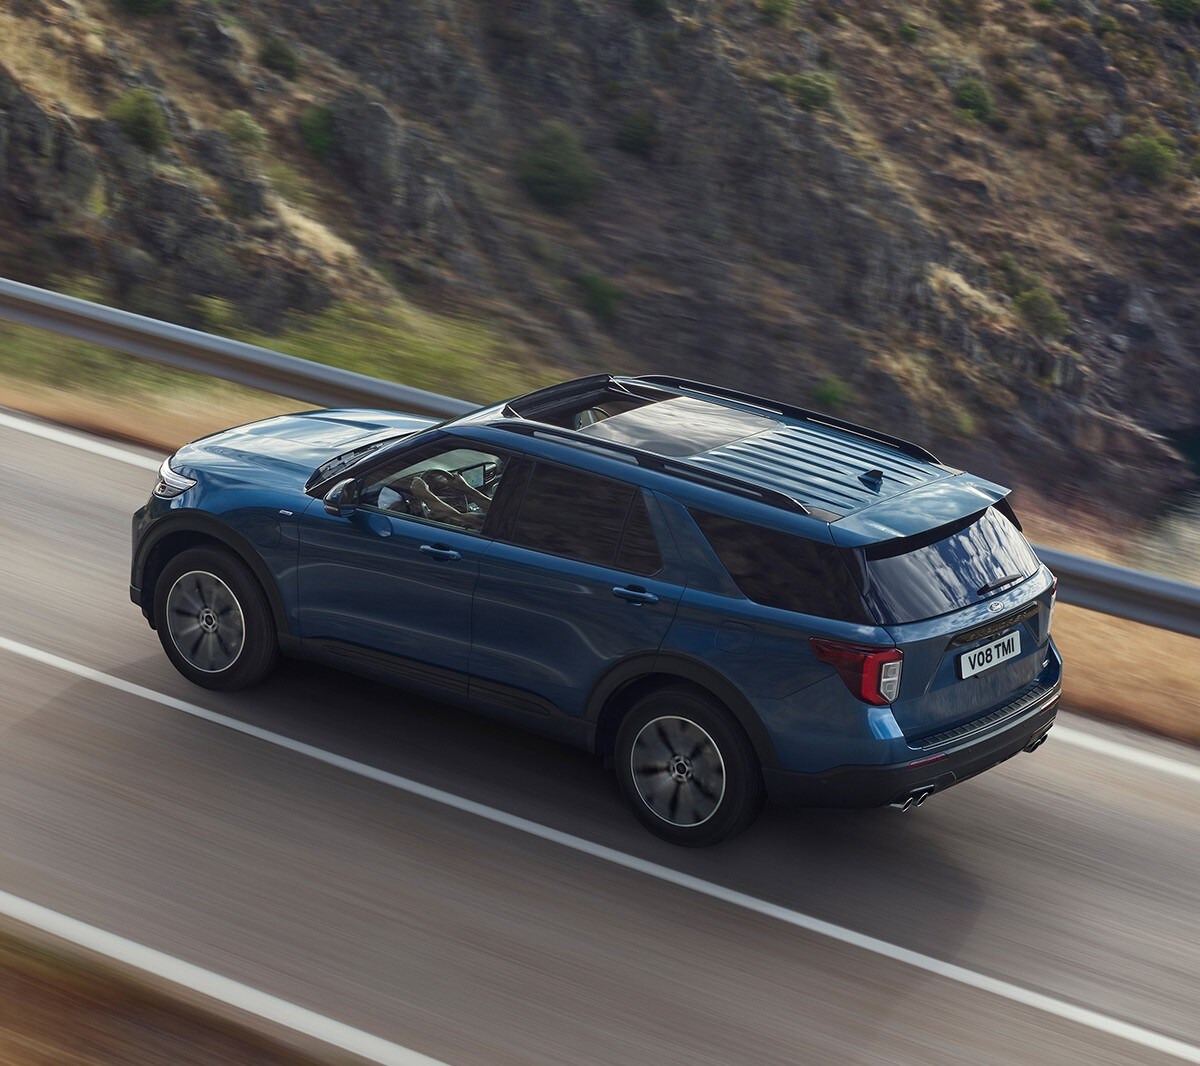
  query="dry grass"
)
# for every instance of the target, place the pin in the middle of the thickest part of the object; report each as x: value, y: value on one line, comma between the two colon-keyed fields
x: 165, y: 422
x: 44, y: 59
x: 63, y: 1009
x: 316, y: 235
x: 1118, y: 669
x: 1130, y: 673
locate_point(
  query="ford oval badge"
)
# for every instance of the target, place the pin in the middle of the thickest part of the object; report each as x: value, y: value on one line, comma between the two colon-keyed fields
x: 995, y: 606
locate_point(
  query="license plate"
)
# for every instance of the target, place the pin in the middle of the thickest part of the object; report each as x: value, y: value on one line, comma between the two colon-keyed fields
x: 993, y: 653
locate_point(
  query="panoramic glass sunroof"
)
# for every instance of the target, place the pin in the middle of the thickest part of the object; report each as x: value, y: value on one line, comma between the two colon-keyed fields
x: 679, y: 427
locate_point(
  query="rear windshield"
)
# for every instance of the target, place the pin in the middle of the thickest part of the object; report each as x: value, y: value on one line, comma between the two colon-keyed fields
x: 914, y: 578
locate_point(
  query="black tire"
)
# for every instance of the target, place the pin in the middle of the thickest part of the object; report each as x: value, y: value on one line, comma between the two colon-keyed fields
x: 687, y: 768
x: 214, y: 621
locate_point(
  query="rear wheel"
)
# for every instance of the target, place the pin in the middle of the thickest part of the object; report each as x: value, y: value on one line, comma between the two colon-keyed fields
x: 687, y: 768
x: 213, y: 620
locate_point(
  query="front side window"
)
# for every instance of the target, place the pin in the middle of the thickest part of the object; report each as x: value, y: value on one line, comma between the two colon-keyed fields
x: 587, y: 517
x: 914, y: 578
x: 448, y: 484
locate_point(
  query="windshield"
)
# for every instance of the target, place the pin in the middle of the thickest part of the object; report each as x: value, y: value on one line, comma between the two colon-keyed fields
x: 339, y: 462
x: 914, y: 578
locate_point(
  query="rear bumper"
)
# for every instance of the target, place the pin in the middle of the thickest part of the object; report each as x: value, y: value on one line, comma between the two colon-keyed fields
x: 877, y: 786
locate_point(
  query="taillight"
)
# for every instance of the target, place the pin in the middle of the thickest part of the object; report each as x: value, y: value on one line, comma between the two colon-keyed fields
x: 1053, y: 594
x: 871, y: 674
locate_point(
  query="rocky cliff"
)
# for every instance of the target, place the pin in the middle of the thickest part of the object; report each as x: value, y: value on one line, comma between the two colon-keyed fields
x: 969, y: 222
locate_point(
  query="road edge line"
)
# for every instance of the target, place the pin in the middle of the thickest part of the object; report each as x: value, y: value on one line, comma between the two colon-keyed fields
x: 208, y: 985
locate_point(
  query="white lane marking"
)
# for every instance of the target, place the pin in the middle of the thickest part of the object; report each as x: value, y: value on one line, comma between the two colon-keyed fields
x: 1127, y: 753
x: 80, y: 441
x: 1109, y: 748
x: 214, y: 986
x: 1048, y: 1004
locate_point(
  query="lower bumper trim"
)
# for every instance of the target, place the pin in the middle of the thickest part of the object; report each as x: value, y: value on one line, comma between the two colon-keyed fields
x: 853, y: 787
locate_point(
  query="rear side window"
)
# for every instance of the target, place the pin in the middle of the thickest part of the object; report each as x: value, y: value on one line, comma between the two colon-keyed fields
x: 781, y: 570
x: 586, y: 517
x: 914, y: 578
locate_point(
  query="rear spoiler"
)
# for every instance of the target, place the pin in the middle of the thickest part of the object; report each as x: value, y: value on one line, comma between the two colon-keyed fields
x: 921, y: 509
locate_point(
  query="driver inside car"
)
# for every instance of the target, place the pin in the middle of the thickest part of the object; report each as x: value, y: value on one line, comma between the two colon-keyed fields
x: 415, y: 497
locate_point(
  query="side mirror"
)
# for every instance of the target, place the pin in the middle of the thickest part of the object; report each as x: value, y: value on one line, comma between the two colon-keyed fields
x: 342, y: 499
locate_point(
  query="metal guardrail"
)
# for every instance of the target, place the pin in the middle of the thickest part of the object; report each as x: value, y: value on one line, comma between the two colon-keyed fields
x: 204, y: 353
x: 1116, y: 590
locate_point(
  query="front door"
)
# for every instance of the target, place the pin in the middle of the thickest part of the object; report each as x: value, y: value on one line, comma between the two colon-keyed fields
x: 388, y: 588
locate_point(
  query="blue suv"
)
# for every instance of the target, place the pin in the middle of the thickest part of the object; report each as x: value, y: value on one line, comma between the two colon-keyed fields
x: 731, y: 598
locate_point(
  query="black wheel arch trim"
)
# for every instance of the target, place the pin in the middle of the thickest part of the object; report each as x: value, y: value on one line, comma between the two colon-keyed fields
x: 205, y: 525
x: 629, y: 671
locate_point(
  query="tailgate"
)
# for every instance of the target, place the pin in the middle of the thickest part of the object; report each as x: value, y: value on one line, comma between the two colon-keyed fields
x: 934, y: 693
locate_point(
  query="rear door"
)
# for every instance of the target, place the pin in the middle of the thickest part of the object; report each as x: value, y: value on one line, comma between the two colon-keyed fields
x: 577, y: 579
x: 969, y: 605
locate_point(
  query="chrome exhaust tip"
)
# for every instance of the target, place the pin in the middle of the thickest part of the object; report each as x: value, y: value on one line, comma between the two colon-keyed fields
x: 903, y: 804
x: 1034, y: 745
x: 923, y: 795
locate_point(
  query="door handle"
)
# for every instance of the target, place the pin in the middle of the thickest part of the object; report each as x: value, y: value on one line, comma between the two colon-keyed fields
x: 440, y: 551
x: 635, y: 594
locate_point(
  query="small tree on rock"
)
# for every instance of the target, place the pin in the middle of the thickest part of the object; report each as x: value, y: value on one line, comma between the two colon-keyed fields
x: 141, y: 119
x: 555, y: 170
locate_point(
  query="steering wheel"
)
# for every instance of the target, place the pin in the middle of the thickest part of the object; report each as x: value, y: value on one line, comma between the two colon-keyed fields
x: 442, y: 483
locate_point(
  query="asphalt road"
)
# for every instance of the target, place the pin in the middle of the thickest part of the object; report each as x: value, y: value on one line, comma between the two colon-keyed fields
x: 1063, y: 872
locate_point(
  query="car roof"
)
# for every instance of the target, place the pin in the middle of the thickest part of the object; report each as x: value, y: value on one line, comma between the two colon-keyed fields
x: 823, y: 467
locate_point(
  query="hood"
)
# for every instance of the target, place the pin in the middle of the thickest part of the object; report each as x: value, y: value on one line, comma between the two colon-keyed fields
x: 295, y: 445
x: 919, y: 509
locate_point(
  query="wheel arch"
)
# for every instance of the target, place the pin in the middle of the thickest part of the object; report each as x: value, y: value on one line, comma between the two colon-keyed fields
x: 197, y: 530
x: 617, y: 691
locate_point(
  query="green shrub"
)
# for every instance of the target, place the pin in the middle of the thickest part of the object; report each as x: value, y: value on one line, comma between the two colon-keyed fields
x: 1149, y: 157
x: 1106, y: 24
x: 811, y: 90
x: 910, y: 32
x: 1011, y: 278
x: 831, y: 392
x: 244, y: 132
x: 638, y: 133
x: 648, y: 8
x: 144, y: 7
x: 277, y: 55
x: 141, y: 119
x: 1046, y: 7
x: 601, y: 296
x: 1041, y: 313
x: 776, y: 12
x: 1180, y: 10
x: 316, y: 131
x: 555, y: 170
x: 973, y: 97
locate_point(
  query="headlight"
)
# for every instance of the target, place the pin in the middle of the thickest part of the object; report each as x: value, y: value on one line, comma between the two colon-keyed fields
x: 171, y: 484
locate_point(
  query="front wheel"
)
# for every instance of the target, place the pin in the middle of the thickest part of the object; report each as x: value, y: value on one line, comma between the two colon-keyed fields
x: 687, y: 768
x: 213, y: 620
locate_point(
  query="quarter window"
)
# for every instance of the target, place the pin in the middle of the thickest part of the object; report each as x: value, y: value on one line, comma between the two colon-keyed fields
x: 781, y: 570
